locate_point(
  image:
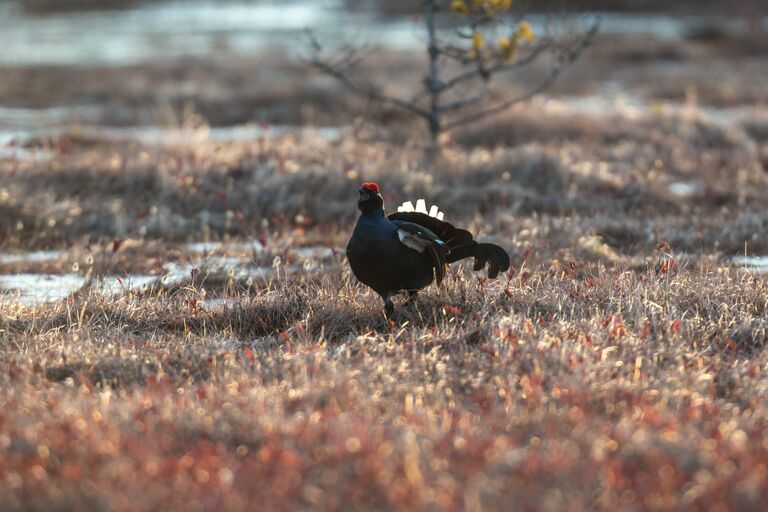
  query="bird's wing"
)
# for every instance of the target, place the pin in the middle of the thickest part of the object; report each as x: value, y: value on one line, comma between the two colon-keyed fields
x: 453, y: 237
x: 421, y: 239
x: 418, y: 237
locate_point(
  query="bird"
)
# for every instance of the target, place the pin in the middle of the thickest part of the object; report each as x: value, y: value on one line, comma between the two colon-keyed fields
x: 407, y: 250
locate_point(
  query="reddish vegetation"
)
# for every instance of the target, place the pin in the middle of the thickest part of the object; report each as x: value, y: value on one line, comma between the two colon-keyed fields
x: 641, y: 390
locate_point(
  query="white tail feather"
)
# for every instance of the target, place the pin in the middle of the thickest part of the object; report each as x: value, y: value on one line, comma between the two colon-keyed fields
x: 405, y: 207
x: 421, y: 207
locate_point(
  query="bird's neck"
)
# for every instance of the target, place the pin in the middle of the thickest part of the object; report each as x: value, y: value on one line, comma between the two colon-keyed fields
x: 372, y: 214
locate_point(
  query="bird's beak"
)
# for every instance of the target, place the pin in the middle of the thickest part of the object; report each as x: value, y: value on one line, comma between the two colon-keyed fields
x: 363, y: 194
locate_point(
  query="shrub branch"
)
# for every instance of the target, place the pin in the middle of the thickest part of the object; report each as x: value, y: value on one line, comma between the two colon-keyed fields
x: 479, y: 64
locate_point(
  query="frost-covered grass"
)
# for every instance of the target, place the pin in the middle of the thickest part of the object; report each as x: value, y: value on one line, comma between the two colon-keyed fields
x: 580, y: 387
x: 620, y: 364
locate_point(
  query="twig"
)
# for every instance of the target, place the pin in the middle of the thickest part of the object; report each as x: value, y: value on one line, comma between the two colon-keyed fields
x: 337, y: 70
x: 464, y: 102
x: 361, y: 90
x: 501, y: 67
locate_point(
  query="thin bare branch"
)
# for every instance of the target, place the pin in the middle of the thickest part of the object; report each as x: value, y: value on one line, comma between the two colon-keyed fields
x: 556, y: 71
x: 338, y: 69
x: 464, y: 102
x: 501, y: 67
x: 352, y: 57
x: 364, y: 91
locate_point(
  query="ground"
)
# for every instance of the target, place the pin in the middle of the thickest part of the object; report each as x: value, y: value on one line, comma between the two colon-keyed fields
x: 619, y: 364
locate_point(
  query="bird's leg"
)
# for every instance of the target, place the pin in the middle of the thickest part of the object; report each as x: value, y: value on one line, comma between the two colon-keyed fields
x: 410, y: 299
x: 389, y: 307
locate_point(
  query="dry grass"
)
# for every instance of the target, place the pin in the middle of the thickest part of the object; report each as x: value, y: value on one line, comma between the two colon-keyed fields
x: 604, y: 372
x: 558, y: 387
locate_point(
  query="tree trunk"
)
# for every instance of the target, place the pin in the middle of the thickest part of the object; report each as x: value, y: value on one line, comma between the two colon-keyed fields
x: 432, y: 80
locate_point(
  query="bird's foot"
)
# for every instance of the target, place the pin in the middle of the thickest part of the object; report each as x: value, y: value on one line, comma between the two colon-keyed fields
x: 383, y: 325
x: 389, y: 308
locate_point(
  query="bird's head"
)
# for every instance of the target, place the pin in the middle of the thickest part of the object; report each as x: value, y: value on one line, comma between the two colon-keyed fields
x: 370, y: 198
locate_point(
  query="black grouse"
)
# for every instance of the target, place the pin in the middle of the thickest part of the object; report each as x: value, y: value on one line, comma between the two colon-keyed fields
x: 407, y: 250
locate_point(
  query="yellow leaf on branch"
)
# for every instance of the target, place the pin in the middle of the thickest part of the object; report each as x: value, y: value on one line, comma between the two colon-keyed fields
x: 526, y: 32
x: 478, y: 41
x: 508, y: 47
x: 459, y: 6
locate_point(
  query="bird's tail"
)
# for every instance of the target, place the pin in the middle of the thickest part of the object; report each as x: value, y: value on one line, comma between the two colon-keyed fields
x: 460, y: 242
x: 496, y: 258
x: 492, y: 255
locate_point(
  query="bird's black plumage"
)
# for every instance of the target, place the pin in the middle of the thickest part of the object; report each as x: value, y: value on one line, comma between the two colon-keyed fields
x: 406, y: 251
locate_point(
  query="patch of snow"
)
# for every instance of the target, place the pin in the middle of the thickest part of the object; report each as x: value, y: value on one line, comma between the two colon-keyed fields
x: 37, y: 289
x: 313, y: 253
x: 684, y: 189
x: 221, y: 302
x: 30, y: 257
x: 236, y: 268
x: 253, y: 246
x: 162, y: 136
x: 756, y: 264
x: 114, y: 285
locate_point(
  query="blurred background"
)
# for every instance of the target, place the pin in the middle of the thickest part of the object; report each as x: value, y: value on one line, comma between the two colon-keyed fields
x: 181, y: 120
x: 124, y: 63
